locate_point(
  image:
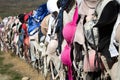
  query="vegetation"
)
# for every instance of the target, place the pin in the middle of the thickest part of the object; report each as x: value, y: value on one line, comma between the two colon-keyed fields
x: 5, y: 70
x: 15, y: 7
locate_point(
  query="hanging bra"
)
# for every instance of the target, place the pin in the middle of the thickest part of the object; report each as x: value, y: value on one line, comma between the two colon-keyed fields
x: 68, y: 34
x: 70, y: 28
x: 26, y: 17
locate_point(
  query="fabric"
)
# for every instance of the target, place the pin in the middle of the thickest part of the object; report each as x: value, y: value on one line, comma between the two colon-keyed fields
x: 52, y: 47
x: 101, y: 6
x: 59, y: 28
x: 15, y: 38
x: 50, y: 25
x: 79, y: 34
x: 26, y: 41
x: 66, y: 60
x: 105, y: 26
x: 26, y: 17
x: 118, y: 1
x: 32, y: 24
x: 32, y: 54
x: 38, y: 15
x: 68, y: 34
x: 89, y: 65
x: 21, y: 17
x: 112, y: 49
x: 33, y: 32
x: 26, y: 37
x: 34, y: 35
x: 44, y: 24
x: 70, y: 28
x: 1, y: 25
x: 85, y: 10
x: 52, y: 6
x: 24, y: 27
x: 21, y: 36
x: 65, y: 4
x: 41, y: 12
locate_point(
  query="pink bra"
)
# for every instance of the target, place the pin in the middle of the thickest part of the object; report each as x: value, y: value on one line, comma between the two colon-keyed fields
x: 68, y: 34
x: 70, y: 28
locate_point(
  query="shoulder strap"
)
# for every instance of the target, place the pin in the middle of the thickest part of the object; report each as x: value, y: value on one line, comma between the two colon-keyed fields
x: 75, y: 16
x: 100, y: 7
x: 78, y: 2
x: 112, y: 48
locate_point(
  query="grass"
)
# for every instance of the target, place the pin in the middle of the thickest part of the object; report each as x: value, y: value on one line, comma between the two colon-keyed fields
x: 15, y: 7
x: 0, y: 52
x: 5, y: 69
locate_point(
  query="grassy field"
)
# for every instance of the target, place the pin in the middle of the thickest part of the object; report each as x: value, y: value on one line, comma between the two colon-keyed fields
x: 6, y: 72
x: 14, y: 68
x: 15, y: 7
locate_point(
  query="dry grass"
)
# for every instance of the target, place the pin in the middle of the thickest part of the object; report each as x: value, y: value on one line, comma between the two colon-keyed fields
x: 4, y: 77
x: 22, y: 67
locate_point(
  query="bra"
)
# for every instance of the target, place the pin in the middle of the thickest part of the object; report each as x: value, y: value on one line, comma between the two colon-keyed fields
x: 70, y: 28
x: 26, y: 17
x: 68, y: 34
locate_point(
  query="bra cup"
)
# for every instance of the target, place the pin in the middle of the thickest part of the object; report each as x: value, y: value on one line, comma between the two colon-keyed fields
x: 68, y: 34
x: 69, y: 31
x: 70, y: 28
x: 65, y: 56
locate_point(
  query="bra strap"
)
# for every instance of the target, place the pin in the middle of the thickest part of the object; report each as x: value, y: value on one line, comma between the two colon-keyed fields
x: 75, y: 16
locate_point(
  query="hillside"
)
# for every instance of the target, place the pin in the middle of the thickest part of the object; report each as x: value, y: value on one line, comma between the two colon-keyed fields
x: 15, y: 7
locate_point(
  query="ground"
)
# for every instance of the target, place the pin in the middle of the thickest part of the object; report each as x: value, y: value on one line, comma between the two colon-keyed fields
x: 14, y: 68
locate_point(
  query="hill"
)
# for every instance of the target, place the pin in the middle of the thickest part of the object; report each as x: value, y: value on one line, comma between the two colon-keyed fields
x: 15, y: 7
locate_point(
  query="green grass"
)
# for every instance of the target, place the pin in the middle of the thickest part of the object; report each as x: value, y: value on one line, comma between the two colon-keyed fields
x: 5, y: 70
